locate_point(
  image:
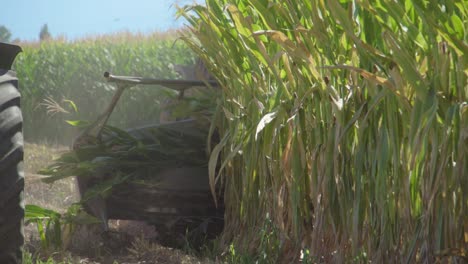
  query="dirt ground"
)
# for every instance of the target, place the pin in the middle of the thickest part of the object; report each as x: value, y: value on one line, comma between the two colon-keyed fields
x: 126, y: 242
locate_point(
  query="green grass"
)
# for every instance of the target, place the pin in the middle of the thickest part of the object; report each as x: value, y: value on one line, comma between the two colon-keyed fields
x: 28, y: 259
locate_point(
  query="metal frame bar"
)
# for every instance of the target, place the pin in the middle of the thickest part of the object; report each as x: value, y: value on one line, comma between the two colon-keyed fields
x: 124, y: 82
x: 178, y: 85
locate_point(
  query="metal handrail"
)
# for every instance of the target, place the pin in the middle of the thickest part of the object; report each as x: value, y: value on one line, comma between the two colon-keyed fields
x: 178, y: 85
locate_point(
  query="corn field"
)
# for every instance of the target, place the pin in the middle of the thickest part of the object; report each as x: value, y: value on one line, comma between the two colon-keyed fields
x: 62, y: 80
x: 344, y: 126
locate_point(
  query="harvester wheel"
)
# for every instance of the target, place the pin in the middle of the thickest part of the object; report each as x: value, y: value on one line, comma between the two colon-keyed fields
x: 11, y: 170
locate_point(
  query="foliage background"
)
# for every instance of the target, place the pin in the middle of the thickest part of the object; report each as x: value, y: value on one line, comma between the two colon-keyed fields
x: 57, y: 70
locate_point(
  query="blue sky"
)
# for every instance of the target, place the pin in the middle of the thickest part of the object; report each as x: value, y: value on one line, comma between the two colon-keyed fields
x: 81, y: 18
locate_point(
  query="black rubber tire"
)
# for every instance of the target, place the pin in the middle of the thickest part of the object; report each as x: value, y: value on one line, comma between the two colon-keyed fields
x: 11, y: 170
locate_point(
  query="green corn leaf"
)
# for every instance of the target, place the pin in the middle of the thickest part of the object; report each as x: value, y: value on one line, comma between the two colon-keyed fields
x: 213, y: 161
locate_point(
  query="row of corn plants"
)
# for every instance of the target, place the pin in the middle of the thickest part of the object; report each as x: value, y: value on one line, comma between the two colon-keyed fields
x: 343, y: 123
x: 59, y: 77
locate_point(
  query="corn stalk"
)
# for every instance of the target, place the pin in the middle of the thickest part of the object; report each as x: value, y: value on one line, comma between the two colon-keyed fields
x: 346, y: 122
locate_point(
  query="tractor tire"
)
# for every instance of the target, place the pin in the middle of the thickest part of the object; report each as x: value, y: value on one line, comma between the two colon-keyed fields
x: 11, y: 170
